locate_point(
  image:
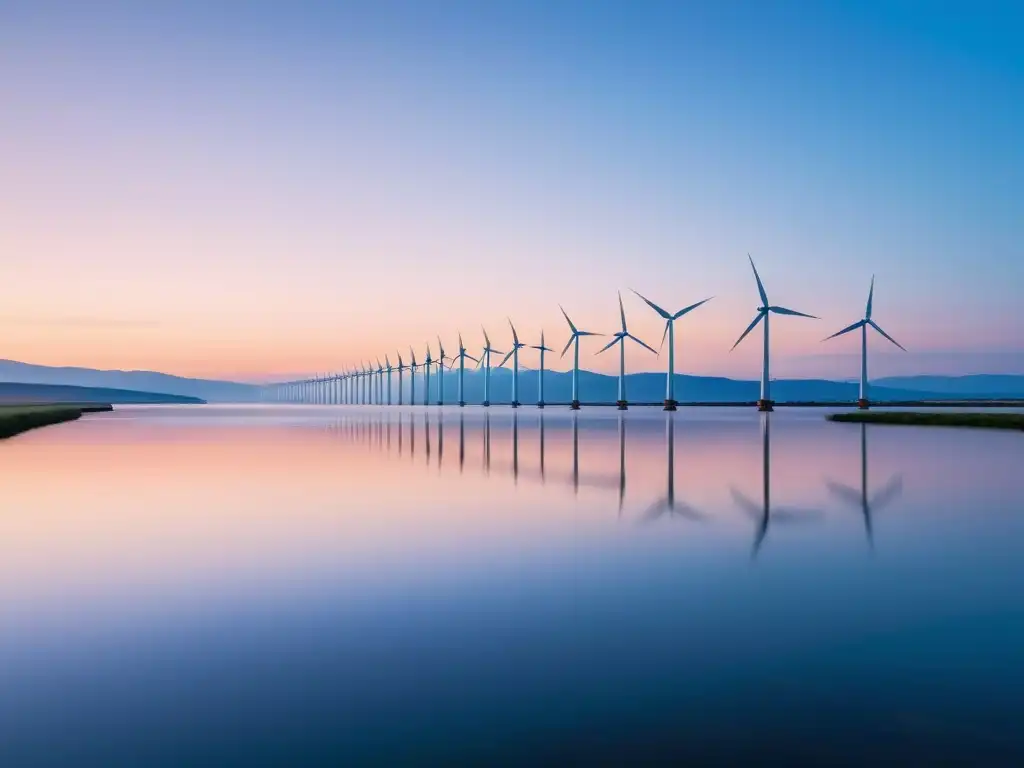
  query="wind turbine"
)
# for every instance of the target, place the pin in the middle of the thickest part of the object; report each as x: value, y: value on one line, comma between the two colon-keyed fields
x: 485, y: 360
x: 670, y: 332
x: 574, y: 341
x: 765, y: 403
x: 862, y: 401
x: 540, y: 374
x: 441, y: 357
x: 426, y: 376
x: 669, y: 503
x: 461, y: 357
x: 380, y: 383
x: 620, y: 339
x: 401, y: 367
x: 764, y: 514
x: 514, y: 354
x: 412, y: 377
x: 860, y: 499
x: 388, y: 368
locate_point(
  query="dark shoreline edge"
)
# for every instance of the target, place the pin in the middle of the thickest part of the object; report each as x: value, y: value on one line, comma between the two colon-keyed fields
x: 15, y: 419
x: 919, y: 419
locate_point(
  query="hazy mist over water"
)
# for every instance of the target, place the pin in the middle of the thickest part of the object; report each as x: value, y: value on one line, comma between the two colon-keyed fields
x: 249, y: 585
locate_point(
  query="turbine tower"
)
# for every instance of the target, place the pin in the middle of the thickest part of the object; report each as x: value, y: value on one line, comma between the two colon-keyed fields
x: 426, y: 377
x: 461, y: 357
x: 620, y: 339
x: 441, y: 357
x: 540, y: 374
x: 380, y: 383
x: 485, y: 360
x: 401, y: 367
x: 670, y: 332
x: 514, y: 354
x: 574, y: 341
x: 765, y: 403
x: 387, y: 367
x: 862, y: 401
x: 412, y: 377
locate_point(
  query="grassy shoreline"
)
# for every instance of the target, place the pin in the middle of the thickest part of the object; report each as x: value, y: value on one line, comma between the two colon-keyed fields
x: 918, y: 419
x: 15, y: 419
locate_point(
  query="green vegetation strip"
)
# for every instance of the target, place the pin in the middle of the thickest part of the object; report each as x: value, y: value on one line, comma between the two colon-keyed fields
x: 15, y: 419
x: 918, y: 419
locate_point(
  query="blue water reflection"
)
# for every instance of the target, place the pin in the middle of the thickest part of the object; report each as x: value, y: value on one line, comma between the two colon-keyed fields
x: 223, y: 586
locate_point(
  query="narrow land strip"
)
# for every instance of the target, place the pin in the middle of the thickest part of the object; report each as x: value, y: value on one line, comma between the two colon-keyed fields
x: 15, y: 419
x: 914, y: 418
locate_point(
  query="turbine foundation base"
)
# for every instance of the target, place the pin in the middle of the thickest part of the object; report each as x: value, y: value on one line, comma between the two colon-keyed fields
x: 462, y: 403
x: 514, y: 403
x: 540, y: 404
x: 622, y: 405
x: 670, y: 405
x: 863, y: 403
x: 486, y: 403
x: 574, y: 405
x: 766, y: 405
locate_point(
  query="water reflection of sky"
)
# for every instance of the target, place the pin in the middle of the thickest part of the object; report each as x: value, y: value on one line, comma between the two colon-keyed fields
x: 581, y: 560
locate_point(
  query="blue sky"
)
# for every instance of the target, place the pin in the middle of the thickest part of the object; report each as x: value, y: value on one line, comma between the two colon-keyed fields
x: 252, y: 188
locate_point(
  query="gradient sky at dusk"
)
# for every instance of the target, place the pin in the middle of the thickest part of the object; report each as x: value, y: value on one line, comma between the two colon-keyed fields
x: 249, y: 189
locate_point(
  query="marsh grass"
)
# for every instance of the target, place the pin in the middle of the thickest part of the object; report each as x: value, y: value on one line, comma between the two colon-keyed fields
x: 15, y: 419
x: 919, y: 419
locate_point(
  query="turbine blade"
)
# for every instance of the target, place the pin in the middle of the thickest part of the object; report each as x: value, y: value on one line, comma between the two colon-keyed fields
x: 846, y: 493
x: 889, y: 493
x: 622, y: 313
x: 567, y: 345
x: 878, y: 328
x: 754, y: 511
x: 588, y: 333
x: 654, y: 306
x: 784, y: 311
x: 871, y: 299
x: 486, y: 340
x: 749, y: 329
x: 847, y: 329
x: 663, y: 335
x: 609, y: 345
x: 515, y: 337
x: 641, y: 343
x: 653, y: 512
x: 567, y: 318
x: 690, y: 308
x: 760, y: 286
x: 505, y: 359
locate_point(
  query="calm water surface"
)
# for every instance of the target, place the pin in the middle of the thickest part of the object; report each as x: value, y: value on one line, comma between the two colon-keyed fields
x: 302, y: 585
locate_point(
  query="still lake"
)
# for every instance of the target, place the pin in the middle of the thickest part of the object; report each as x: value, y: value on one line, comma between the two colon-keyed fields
x: 298, y: 585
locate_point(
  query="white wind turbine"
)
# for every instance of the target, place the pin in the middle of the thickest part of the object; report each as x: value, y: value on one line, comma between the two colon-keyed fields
x: 540, y: 374
x: 461, y: 357
x: 670, y: 332
x: 380, y: 383
x: 763, y: 311
x: 862, y: 401
x: 412, y: 377
x: 388, y: 368
x: 401, y: 367
x: 426, y: 376
x: 620, y: 339
x: 441, y: 357
x: 485, y: 361
x: 514, y: 354
x: 574, y: 341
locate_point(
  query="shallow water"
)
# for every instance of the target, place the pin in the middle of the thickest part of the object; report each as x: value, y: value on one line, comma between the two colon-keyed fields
x: 250, y: 585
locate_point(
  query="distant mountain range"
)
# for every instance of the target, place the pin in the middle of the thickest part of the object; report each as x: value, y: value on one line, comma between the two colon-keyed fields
x: 142, y: 381
x: 20, y: 392
x: 594, y: 387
